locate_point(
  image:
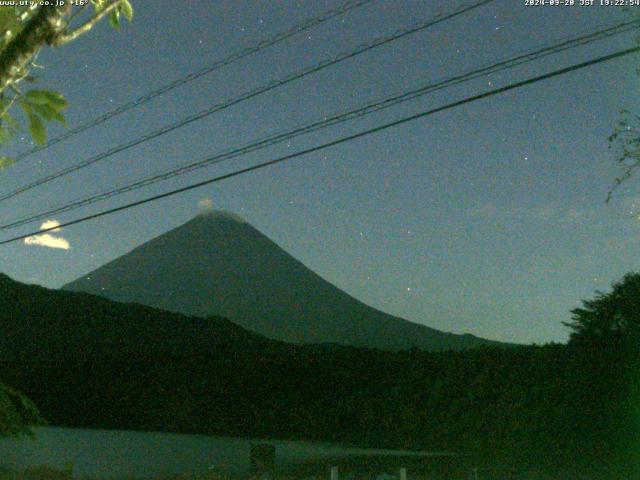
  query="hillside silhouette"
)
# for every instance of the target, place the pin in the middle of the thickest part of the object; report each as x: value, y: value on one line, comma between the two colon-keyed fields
x: 90, y: 362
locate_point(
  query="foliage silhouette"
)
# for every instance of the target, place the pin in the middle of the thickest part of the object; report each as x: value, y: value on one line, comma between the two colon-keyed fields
x: 90, y: 362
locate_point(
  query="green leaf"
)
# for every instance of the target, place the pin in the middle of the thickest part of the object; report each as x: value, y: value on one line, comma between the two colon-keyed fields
x: 26, y: 106
x: 98, y: 5
x: 6, y: 162
x: 9, y: 22
x: 8, y: 122
x: 57, y: 116
x: 36, y: 127
x: 127, y: 10
x: 8, y: 126
x: 5, y: 134
x: 114, y: 18
x: 45, y: 111
x: 38, y: 97
x: 7, y: 17
x: 46, y: 97
x: 56, y: 100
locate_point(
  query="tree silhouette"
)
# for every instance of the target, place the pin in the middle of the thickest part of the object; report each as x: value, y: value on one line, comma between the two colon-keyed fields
x: 24, y: 31
x: 17, y: 412
x: 611, y: 318
x: 606, y: 351
x: 625, y: 139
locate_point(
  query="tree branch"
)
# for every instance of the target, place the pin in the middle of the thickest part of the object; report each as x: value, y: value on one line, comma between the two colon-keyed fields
x: 40, y: 30
x: 8, y: 107
x: 81, y: 30
x: 75, y: 13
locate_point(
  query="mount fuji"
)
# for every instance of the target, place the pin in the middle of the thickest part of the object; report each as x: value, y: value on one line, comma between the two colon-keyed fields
x: 218, y: 264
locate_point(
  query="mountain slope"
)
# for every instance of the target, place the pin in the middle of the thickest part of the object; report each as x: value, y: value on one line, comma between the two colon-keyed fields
x: 218, y: 264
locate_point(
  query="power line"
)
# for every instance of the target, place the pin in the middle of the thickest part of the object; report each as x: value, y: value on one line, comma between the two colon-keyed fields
x: 325, y: 122
x: 339, y: 141
x: 246, y: 96
x: 234, y: 57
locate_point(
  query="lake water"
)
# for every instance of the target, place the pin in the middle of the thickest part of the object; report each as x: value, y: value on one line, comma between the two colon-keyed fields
x: 119, y: 454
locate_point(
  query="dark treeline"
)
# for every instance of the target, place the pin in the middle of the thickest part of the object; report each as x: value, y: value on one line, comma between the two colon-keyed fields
x: 558, y: 409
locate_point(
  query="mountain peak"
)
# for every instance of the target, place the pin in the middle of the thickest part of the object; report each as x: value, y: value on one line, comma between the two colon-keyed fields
x: 220, y: 215
x: 218, y: 264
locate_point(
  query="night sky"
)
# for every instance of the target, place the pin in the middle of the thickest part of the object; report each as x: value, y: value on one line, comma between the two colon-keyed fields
x: 488, y: 218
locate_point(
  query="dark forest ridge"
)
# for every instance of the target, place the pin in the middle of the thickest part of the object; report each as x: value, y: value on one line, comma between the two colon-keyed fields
x: 217, y: 264
x: 87, y: 361
x: 39, y: 324
x: 90, y: 362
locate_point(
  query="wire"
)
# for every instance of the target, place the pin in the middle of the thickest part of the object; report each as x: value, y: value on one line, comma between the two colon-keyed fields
x: 234, y: 57
x: 339, y: 141
x: 333, y: 120
x: 246, y: 96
